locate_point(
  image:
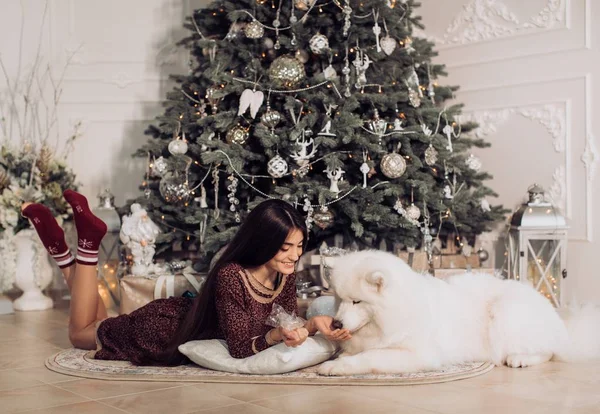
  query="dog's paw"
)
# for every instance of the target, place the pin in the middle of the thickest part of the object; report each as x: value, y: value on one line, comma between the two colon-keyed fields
x: 333, y: 368
x: 525, y: 360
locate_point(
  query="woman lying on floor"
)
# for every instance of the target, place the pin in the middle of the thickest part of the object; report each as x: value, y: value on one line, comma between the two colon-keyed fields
x: 254, y: 272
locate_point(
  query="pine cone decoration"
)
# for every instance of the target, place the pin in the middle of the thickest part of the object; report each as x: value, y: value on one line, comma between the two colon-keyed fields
x: 4, y: 179
x: 43, y: 162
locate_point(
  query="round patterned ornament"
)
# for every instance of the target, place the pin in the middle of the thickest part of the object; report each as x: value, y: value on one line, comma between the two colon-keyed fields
x: 174, y: 189
x: 431, y: 155
x: 178, y: 147
x: 237, y: 135
x: 393, y: 165
x: 277, y: 167
x: 413, y: 212
x: 319, y: 44
x: 254, y: 30
x: 286, y: 72
x: 323, y: 218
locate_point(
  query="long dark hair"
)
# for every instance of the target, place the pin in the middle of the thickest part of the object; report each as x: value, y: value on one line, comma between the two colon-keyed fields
x: 256, y: 242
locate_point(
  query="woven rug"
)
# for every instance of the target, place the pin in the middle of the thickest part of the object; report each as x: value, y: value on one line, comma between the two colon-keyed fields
x: 77, y: 363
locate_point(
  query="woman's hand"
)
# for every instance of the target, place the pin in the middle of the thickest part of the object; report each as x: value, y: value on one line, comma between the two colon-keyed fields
x: 293, y: 338
x: 322, y: 323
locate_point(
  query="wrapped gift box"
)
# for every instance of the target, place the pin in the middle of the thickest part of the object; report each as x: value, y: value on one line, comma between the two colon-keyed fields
x: 444, y: 273
x: 136, y: 291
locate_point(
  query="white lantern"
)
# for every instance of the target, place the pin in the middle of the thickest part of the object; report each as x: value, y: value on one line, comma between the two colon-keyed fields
x: 109, y: 255
x: 537, y: 253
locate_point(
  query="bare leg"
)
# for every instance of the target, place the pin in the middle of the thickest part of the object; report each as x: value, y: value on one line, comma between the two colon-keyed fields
x: 85, y: 302
x: 68, y: 273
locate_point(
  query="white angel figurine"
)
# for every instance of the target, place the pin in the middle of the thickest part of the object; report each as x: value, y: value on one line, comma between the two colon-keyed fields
x: 139, y: 234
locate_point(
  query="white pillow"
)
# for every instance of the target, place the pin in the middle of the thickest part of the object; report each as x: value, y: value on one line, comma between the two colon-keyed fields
x: 278, y: 359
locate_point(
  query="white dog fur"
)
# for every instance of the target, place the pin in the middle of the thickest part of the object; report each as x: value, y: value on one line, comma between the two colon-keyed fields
x: 403, y: 321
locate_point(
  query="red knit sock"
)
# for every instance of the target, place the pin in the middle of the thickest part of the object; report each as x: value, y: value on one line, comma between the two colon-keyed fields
x: 50, y: 233
x: 90, y: 229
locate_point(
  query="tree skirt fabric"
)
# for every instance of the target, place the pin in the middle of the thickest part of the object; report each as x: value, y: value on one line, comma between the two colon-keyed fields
x: 78, y: 363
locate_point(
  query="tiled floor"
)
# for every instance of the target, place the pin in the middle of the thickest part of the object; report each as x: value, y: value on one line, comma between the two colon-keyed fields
x: 26, y: 339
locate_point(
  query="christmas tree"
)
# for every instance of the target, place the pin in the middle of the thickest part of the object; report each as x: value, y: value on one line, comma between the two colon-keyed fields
x: 331, y: 105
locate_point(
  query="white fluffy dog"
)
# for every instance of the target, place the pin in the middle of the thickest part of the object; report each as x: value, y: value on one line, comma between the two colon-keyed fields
x: 403, y: 321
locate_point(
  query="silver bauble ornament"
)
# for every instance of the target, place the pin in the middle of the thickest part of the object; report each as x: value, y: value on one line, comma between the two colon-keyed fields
x: 237, y: 135
x: 174, y: 188
x: 270, y: 118
x: 318, y: 44
x: 483, y: 254
x: 254, y: 30
x: 431, y: 155
x: 178, y: 147
x: 414, y: 98
x: 269, y: 43
x: 473, y: 163
x: 277, y: 167
x: 393, y: 165
x: 323, y: 218
x: 388, y: 45
x: 413, y: 212
x: 159, y: 166
x: 286, y: 72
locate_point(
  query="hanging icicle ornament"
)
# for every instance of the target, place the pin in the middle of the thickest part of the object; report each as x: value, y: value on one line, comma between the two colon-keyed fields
x: 393, y: 164
x: 319, y: 44
x: 233, y: 200
x: 473, y: 163
x: 215, y: 181
x: 323, y: 218
x: 308, y: 208
x: 237, y: 135
x: 334, y: 175
x: 346, y: 72
x: 277, y: 167
x: 347, y: 11
x: 254, y: 30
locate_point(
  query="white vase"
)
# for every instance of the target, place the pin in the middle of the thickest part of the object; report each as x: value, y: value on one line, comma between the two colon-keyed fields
x: 33, y: 272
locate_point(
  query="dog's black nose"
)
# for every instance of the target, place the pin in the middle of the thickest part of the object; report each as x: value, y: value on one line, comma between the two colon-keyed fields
x: 337, y: 324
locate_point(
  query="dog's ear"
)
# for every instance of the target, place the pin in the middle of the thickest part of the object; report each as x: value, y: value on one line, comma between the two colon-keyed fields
x: 377, y: 280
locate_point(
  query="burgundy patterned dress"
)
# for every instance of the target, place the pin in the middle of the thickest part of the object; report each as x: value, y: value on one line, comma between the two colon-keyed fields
x: 243, y: 304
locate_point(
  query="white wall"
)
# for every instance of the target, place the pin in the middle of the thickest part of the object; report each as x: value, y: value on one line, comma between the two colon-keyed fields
x: 526, y: 71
